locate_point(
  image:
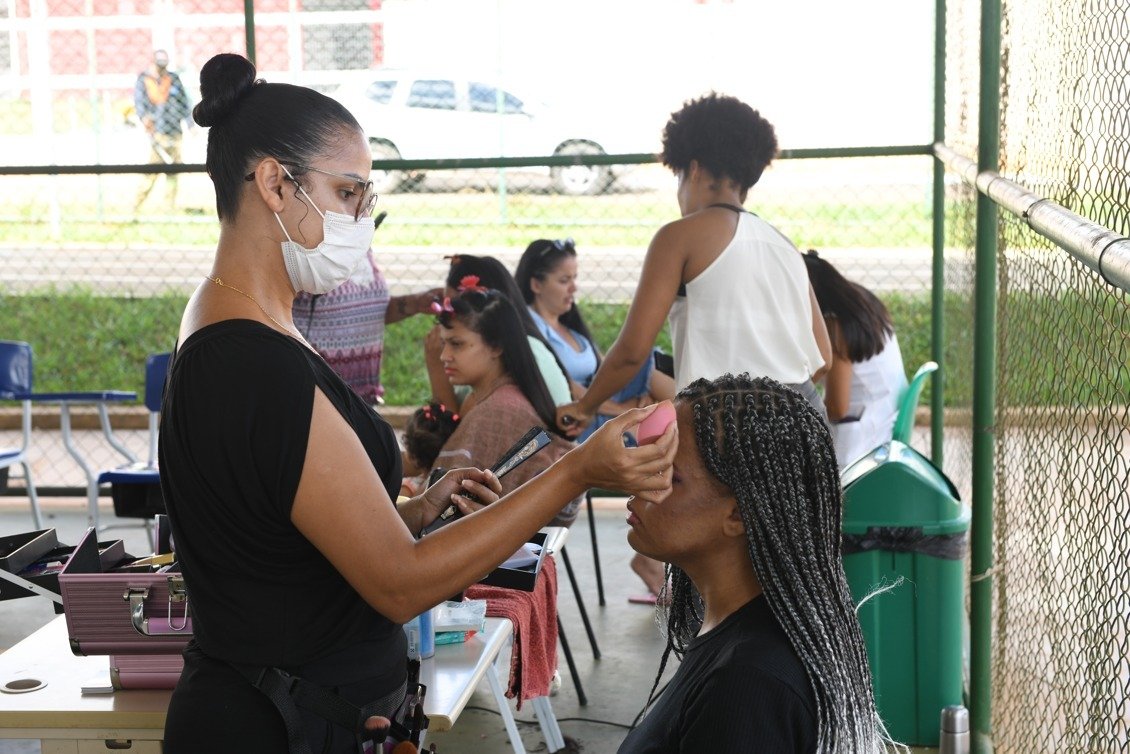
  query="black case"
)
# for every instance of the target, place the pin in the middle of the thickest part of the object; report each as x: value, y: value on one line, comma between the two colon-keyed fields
x: 522, y: 579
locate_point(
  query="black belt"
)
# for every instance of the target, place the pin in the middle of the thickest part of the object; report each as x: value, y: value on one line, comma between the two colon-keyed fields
x: 289, y: 693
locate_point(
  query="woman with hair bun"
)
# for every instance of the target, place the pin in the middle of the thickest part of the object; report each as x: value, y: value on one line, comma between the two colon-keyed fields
x: 772, y: 657
x: 279, y: 479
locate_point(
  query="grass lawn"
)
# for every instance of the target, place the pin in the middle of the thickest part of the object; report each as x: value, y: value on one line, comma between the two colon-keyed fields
x: 86, y: 342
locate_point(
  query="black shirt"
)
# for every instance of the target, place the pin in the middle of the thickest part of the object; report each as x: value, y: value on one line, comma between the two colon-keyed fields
x: 740, y: 688
x: 234, y: 428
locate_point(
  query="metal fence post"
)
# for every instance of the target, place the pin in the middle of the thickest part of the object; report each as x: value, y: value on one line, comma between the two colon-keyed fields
x: 249, y: 28
x: 938, y: 218
x: 984, y: 386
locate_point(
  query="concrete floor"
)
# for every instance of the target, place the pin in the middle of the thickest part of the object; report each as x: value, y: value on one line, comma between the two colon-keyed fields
x: 616, y: 685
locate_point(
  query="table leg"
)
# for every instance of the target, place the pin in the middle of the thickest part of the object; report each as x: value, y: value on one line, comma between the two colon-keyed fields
x: 108, y: 433
x: 504, y: 708
x: 91, y: 480
x: 550, y: 730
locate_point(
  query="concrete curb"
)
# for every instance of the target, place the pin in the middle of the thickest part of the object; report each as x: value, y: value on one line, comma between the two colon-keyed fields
x: 137, y: 417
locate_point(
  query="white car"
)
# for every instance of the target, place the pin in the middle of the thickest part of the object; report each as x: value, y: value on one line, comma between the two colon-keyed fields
x: 418, y: 116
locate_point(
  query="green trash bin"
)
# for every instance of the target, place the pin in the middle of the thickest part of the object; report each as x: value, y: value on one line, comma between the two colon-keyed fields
x: 902, y: 517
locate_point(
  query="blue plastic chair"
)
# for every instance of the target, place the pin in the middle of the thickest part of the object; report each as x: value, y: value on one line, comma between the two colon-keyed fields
x: 908, y: 402
x: 145, y: 474
x: 17, y: 384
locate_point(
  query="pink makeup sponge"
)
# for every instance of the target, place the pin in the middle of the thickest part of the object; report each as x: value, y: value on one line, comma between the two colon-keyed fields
x: 651, y: 428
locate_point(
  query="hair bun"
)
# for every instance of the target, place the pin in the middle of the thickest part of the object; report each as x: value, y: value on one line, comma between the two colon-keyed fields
x: 224, y: 80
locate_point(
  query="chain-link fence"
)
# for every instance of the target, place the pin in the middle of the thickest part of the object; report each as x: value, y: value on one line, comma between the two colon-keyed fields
x: 97, y: 263
x: 1061, y: 612
x: 128, y: 284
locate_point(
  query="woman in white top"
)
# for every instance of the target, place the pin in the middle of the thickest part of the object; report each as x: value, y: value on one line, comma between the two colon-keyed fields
x: 735, y: 287
x: 862, y: 389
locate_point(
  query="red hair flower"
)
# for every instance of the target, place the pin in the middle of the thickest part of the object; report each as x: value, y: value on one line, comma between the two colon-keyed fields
x: 470, y: 283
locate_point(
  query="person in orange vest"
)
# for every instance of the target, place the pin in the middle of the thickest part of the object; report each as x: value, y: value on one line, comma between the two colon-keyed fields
x: 162, y: 107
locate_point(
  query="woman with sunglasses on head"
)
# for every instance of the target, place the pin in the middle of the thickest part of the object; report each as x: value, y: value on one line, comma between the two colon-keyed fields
x: 279, y: 479
x: 486, y: 349
x: 772, y: 657
x: 734, y: 286
x: 547, y: 277
x: 491, y: 273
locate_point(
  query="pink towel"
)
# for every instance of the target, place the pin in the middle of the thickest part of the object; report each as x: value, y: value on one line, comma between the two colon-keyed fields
x: 534, y: 615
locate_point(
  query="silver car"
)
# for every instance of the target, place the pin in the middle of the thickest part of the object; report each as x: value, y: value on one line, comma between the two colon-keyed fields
x: 418, y: 116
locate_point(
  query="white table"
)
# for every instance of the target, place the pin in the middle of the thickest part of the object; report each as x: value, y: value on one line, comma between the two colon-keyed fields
x: 66, y: 721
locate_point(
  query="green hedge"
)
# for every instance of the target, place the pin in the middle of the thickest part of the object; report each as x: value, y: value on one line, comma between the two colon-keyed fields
x: 86, y: 342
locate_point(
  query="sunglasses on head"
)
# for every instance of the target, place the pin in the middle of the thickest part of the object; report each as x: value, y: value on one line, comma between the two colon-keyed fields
x: 558, y: 245
x: 363, y: 190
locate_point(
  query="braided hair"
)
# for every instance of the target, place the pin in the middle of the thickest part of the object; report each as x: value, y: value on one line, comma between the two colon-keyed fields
x: 772, y: 450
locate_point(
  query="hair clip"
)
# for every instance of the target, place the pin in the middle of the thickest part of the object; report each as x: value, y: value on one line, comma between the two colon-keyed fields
x: 471, y: 283
x: 455, y: 417
x: 438, y: 308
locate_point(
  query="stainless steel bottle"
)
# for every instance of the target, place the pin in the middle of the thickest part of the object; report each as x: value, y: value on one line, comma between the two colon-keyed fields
x: 954, y: 737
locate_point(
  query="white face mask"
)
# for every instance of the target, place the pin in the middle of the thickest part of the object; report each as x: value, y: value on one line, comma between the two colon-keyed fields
x: 345, y: 242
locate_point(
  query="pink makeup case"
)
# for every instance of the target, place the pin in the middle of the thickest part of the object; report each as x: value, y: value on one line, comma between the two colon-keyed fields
x: 129, y: 610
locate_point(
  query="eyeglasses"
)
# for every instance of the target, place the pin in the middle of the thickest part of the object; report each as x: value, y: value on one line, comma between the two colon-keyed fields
x: 363, y: 190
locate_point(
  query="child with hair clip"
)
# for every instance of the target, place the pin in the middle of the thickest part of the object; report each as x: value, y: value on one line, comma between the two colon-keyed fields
x: 425, y: 434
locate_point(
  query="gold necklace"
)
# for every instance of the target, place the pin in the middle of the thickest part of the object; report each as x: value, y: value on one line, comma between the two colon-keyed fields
x: 251, y: 298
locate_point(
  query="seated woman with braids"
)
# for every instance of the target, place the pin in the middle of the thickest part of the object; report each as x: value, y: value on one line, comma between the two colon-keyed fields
x: 773, y: 658
x: 485, y: 348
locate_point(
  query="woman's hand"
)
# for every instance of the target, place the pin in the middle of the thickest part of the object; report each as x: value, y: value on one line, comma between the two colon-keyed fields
x: 572, y: 418
x: 435, y: 499
x: 433, y: 346
x: 641, y: 471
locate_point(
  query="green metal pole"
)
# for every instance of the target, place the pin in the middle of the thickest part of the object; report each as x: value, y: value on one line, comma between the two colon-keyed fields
x: 938, y: 291
x: 249, y: 28
x: 984, y: 388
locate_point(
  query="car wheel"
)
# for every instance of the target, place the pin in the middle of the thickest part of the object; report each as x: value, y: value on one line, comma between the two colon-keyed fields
x: 577, y: 180
x: 385, y: 181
